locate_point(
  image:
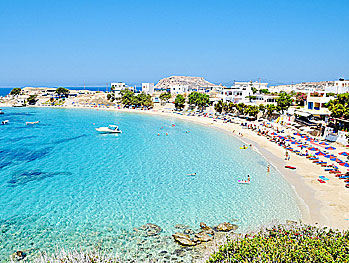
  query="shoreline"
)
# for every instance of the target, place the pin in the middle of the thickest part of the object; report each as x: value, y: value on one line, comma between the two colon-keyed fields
x: 322, y: 204
x: 315, y: 208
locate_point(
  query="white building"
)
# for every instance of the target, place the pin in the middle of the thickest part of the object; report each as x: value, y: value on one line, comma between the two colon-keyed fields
x: 116, y: 87
x: 338, y: 87
x: 148, y: 88
x: 179, y: 89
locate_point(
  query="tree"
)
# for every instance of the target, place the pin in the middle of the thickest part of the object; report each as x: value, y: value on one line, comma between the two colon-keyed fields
x: 254, y: 90
x: 301, y: 98
x: 111, y: 97
x: 62, y: 92
x: 241, y: 108
x: 261, y: 108
x: 230, y: 107
x: 252, y: 110
x: 339, y: 107
x: 218, y: 107
x: 270, y: 110
x: 16, y: 91
x: 127, y: 97
x: 284, y: 101
x: 179, y: 102
x: 198, y: 99
x: 264, y: 91
x: 32, y: 99
x: 165, y: 96
x: 143, y: 100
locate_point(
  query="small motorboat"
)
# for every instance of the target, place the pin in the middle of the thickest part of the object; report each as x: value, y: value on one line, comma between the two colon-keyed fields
x: 1, y: 112
x: 290, y: 167
x: 31, y: 122
x: 109, y: 129
x: 5, y: 122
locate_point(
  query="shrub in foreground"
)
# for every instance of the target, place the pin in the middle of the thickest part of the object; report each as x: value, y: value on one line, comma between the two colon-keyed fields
x: 287, y: 243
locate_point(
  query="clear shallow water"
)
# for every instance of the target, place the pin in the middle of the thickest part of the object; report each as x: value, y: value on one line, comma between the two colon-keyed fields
x: 64, y: 185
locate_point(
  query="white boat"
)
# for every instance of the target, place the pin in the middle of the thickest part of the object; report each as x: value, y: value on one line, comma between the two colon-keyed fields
x: 109, y: 129
x: 5, y: 122
x: 31, y: 122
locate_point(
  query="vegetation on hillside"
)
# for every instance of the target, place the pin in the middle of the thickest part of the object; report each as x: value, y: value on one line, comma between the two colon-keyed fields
x: 15, y: 91
x: 286, y: 243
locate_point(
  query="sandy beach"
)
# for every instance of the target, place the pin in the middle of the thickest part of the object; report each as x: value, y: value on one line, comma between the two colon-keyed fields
x: 323, y: 204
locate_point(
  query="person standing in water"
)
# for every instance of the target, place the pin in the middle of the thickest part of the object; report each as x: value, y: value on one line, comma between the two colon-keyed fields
x: 248, y: 178
x: 268, y: 169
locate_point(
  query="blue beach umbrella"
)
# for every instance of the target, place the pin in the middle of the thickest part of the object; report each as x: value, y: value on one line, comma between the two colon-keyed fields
x: 336, y: 160
x: 344, y: 154
x: 312, y: 149
x: 330, y: 148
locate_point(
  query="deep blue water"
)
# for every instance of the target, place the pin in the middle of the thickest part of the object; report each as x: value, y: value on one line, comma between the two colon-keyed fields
x: 64, y: 185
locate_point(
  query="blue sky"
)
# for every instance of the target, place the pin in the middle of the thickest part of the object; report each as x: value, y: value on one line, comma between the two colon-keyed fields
x: 63, y: 42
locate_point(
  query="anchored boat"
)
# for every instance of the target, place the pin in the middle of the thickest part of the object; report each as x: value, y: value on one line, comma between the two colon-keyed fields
x: 109, y: 129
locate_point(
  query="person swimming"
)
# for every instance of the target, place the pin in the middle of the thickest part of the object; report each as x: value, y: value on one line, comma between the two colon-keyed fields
x: 193, y: 174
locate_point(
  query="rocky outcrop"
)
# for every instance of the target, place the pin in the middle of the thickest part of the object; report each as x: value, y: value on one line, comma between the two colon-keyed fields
x: 203, y: 236
x: 183, y: 239
x: 226, y: 227
x: 191, y: 82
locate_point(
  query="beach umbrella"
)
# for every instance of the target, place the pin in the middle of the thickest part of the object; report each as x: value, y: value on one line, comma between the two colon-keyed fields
x: 312, y: 149
x: 320, y: 153
x: 330, y: 148
x: 344, y: 153
x: 336, y: 160
x: 323, y: 143
x: 330, y: 156
x: 274, y: 133
x: 302, y: 146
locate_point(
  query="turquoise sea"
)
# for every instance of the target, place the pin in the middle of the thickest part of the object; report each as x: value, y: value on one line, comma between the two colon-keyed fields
x: 63, y: 185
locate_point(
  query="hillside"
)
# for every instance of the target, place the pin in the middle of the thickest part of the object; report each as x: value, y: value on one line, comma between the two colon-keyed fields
x: 192, y: 82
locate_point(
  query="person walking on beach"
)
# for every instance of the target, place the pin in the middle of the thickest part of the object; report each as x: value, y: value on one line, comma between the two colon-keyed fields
x: 286, y: 156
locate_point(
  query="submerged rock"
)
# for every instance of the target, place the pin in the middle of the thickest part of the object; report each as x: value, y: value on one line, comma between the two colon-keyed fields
x: 226, y: 227
x: 19, y: 255
x: 149, y: 230
x: 181, y: 226
x: 183, y: 239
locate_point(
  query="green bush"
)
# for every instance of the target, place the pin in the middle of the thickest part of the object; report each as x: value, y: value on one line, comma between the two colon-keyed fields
x: 284, y: 243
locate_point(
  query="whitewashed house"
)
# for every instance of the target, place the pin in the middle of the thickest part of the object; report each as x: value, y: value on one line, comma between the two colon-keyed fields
x: 148, y: 88
x: 179, y: 89
x: 338, y: 87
